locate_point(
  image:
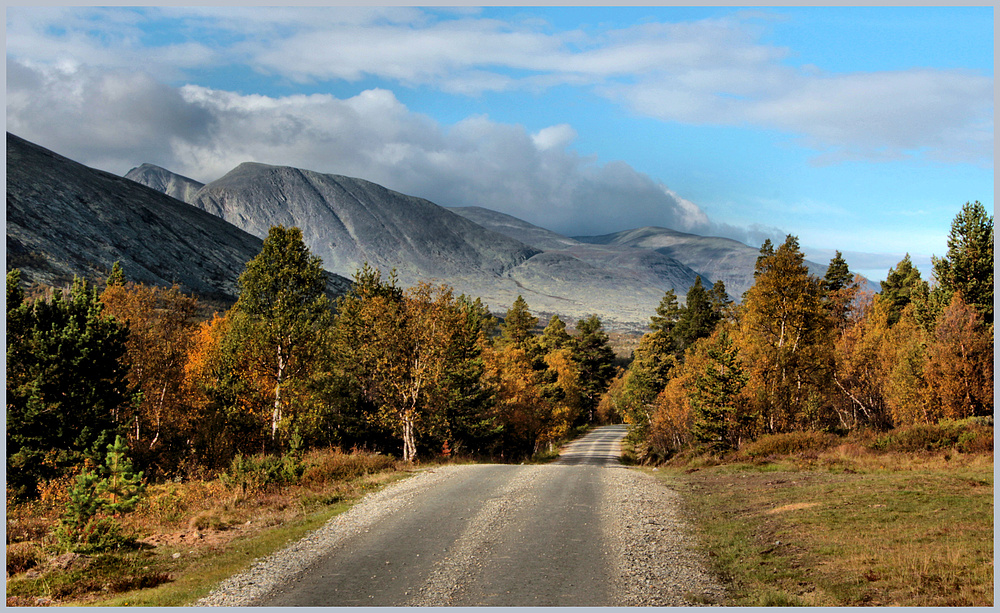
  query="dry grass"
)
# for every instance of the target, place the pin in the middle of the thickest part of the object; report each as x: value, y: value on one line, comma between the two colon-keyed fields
x: 191, y: 535
x: 847, y: 526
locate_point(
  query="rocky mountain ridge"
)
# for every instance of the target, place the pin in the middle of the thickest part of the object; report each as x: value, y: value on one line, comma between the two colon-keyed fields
x: 66, y: 219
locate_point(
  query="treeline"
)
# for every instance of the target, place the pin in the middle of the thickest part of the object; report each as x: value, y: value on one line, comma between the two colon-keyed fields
x: 808, y: 353
x: 415, y: 371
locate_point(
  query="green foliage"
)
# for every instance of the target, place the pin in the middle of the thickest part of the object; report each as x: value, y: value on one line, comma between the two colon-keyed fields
x: 518, y: 327
x: 280, y: 314
x: 66, y: 382
x: 555, y: 336
x: 718, y: 419
x: 902, y: 286
x: 701, y: 313
x: 252, y: 474
x: 968, y: 266
x: 83, y: 527
x: 117, y: 276
x: 838, y: 275
x: 595, y: 359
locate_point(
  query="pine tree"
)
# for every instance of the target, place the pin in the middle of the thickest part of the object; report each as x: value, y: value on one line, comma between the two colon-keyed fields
x: 719, y: 416
x: 66, y: 382
x: 117, y: 276
x: 596, y: 360
x: 902, y: 286
x: 968, y: 266
x: 838, y: 275
x: 555, y: 336
x: 518, y: 327
x: 698, y: 317
x: 122, y: 487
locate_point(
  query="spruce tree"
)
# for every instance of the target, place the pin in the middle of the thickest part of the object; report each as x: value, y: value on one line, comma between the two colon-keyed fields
x: 719, y: 417
x: 838, y: 275
x: 518, y: 328
x: 697, y: 319
x: 555, y: 336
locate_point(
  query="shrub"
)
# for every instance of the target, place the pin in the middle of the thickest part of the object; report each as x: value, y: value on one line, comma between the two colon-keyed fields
x: 972, y: 435
x: 97, y: 535
x: 249, y: 475
x: 788, y: 443
x: 21, y: 557
x: 333, y: 465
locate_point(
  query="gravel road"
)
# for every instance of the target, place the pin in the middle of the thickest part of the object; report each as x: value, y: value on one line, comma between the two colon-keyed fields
x: 582, y: 531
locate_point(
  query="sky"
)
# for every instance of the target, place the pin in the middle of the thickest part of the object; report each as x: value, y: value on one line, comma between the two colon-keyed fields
x: 859, y: 129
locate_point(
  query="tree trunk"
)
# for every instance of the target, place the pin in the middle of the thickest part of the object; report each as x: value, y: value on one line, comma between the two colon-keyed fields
x: 276, y: 413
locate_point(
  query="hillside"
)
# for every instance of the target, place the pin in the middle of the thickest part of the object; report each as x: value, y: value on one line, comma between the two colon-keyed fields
x: 66, y: 219
x: 163, y: 180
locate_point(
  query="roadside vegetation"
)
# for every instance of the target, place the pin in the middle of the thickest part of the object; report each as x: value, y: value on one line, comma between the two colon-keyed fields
x: 898, y: 519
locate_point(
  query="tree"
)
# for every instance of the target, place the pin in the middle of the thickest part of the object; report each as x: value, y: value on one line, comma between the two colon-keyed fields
x: 786, y: 339
x: 281, y: 311
x: 959, y: 370
x: 840, y: 289
x: 698, y: 317
x: 968, y: 266
x: 66, y: 382
x: 518, y: 327
x: 719, y: 421
x: 160, y: 331
x: 838, y: 275
x: 595, y: 359
x: 555, y: 336
x: 902, y: 286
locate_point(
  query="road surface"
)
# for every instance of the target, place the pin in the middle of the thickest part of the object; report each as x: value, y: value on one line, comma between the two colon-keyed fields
x: 581, y: 531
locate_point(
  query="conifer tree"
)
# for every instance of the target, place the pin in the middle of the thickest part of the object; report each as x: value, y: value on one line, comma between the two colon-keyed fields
x: 596, y: 360
x: 968, y: 266
x: 720, y: 419
x: 698, y: 317
x: 902, y: 286
x: 555, y: 336
x: 518, y: 327
x: 66, y: 382
x: 838, y: 275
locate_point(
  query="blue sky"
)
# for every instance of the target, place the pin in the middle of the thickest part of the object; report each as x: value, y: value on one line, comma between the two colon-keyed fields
x: 860, y: 129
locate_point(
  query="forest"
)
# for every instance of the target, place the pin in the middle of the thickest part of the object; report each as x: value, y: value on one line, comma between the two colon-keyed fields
x: 420, y: 372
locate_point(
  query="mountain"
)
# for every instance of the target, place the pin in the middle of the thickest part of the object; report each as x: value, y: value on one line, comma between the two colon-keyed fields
x: 348, y: 221
x: 518, y: 229
x: 714, y: 257
x: 163, y: 180
x: 66, y: 219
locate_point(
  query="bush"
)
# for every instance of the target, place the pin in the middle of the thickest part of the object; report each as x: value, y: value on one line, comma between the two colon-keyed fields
x: 333, y: 465
x: 974, y: 435
x: 788, y: 443
x: 249, y: 475
x: 21, y: 557
x: 97, y: 535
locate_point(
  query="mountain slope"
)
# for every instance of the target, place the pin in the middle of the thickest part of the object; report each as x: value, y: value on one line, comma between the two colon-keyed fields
x: 65, y: 219
x: 518, y: 229
x: 714, y: 257
x: 348, y: 222
x: 163, y: 180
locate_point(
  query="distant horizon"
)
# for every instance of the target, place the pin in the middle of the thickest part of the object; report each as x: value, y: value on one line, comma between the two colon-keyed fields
x: 860, y: 129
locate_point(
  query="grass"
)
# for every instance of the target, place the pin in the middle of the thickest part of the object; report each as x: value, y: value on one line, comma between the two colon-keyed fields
x: 192, y: 535
x: 846, y: 525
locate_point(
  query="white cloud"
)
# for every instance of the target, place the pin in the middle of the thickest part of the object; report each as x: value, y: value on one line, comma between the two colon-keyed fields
x: 117, y: 120
x: 710, y: 72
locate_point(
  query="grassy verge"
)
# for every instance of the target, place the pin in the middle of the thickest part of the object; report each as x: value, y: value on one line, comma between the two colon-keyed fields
x: 846, y: 526
x: 190, y: 536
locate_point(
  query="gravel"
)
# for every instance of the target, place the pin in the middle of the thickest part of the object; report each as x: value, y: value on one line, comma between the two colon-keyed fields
x: 652, y: 552
x: 657, y: 559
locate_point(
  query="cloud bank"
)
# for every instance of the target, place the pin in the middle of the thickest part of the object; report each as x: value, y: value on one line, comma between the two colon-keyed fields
x: 121, y: 119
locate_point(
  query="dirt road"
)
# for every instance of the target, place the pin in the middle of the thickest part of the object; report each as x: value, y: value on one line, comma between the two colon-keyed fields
x: 582, y: 531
